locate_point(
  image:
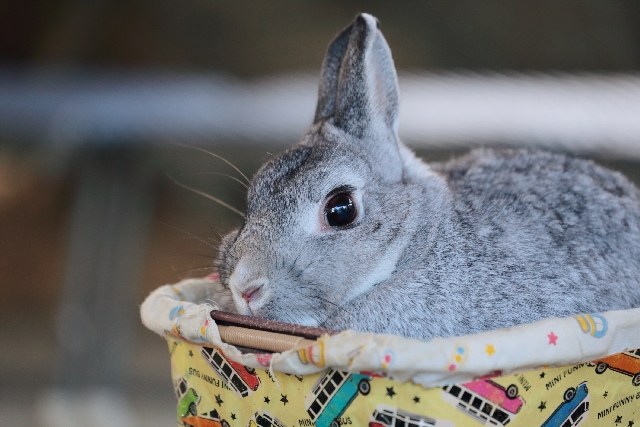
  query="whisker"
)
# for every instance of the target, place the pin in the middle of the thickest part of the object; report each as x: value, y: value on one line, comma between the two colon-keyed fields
x: 217, y: 173
x: 213, y: 231
x: 186, y: 254
x: 304, y: 269
x: 190, y: 270
x: 212, y: 240
x: 188, y: 234
x: 324, y: 300
x: 208, y: 196
x: 219, y: 157
x: 318, y: 297
x: 294, y: 264
x: 206, y: 239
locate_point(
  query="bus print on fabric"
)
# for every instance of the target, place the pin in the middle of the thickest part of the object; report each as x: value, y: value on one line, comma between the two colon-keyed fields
x: 239, y: 378
x: 573, y: 409
x: 486, y: 401
x: 627, y: 363
x: 332, y: 394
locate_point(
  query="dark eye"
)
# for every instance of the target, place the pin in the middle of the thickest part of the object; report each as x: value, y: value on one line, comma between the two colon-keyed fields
x: 340, y: 210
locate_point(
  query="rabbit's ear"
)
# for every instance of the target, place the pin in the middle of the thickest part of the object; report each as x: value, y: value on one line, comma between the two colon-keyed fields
x: 329, y: 78
x: 358, y: 86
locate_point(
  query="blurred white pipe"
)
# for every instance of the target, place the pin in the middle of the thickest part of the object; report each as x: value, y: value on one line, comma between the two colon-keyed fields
x: 580, y: 113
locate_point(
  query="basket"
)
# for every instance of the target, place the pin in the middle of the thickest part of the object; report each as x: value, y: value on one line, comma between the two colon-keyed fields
x: 576, y: 371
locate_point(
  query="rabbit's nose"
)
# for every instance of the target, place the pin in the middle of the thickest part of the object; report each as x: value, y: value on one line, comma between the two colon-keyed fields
x: 252, y: 291
x: 246, y: 296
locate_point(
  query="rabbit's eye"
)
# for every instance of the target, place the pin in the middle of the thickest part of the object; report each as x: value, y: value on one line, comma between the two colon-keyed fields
x: 340, y: 210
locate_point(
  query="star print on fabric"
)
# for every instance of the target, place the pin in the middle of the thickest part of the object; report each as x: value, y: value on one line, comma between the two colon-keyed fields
x: 284, y: 399
x: 233, y: 416
x: 390, y: 392
x: 190, y: 353
x: 618, y: 420
x: 490, y: 350
x: 552, y: 338
x: 416, y: 399
x: 266, y: 399
x: 631, y: 423
x: 543, y: 406
x: 219, y: 400
x: 542, y: 374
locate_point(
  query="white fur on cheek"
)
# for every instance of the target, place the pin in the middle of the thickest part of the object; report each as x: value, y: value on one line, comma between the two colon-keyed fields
x: 382, y: 271
x: 309, y: 219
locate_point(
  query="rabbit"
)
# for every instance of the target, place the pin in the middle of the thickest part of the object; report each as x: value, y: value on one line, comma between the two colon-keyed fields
x: 348, y: 229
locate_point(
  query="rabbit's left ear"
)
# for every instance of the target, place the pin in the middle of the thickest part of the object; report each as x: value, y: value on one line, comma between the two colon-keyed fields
x: 359, y: 87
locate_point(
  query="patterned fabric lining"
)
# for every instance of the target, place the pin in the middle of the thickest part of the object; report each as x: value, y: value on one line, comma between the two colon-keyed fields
x: 556, y: 372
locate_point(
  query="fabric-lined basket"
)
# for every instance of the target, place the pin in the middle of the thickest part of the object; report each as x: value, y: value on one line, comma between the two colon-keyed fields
x: 577, y: 371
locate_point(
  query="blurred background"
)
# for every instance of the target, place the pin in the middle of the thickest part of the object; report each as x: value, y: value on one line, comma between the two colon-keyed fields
x: 99, y: 99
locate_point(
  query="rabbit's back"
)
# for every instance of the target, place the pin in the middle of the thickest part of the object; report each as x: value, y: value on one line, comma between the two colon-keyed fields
x: 549, y: 224
x: 574, y: 201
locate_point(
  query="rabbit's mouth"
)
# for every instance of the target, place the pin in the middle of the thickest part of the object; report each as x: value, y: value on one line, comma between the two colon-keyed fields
x: 253, y: 298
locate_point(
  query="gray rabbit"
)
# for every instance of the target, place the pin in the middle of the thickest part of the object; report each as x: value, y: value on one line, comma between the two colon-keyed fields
x: 349, y: 230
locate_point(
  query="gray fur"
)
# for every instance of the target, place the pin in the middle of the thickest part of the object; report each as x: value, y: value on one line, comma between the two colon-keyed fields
x: 493, y: 239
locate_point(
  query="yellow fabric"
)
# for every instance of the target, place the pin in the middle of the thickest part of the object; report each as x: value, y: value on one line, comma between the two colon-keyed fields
x: 279, y: 399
